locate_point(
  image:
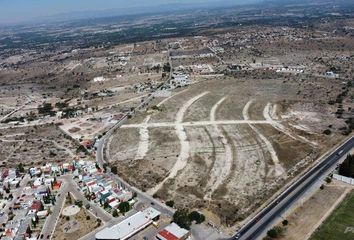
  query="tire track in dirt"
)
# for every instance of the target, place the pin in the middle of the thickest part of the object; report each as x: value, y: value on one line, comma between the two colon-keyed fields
x: 279, y: 170
x: 267, y: 116
x: 182, y: 136
x: 167, y: 99
x: 204, y: 180
x: 223, y: 163
x: 143, y: 146
x: 249, y: 170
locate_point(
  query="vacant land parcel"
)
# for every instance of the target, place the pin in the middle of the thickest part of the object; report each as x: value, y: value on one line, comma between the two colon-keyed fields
x: 223, y: 143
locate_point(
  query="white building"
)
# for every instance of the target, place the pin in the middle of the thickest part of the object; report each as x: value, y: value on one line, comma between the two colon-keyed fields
x: 128, y: 227
x: 173, y: 231
x: 180, y: 80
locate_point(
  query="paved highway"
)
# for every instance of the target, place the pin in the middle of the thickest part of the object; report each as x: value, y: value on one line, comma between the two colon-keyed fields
x: 263, y: 220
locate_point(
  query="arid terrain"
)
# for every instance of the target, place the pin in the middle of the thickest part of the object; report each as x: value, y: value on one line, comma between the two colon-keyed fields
x: 219, y: 116
x: 224, y: 141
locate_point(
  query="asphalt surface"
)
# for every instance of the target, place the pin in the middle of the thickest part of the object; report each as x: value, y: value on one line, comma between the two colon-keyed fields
x: 50, y: 223
x: 263, y: 220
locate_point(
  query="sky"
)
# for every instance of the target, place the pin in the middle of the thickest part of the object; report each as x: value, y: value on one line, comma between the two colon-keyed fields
x: 14, y: 11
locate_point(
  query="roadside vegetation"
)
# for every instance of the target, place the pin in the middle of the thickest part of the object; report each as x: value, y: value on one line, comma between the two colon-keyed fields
x: 184, y: 219
x: 347, y: 167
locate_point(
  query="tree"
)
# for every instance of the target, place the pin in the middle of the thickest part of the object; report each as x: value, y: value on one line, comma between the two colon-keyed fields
x: 20, y: 168
x: 135, y: 194
x: 272, y: 233
x: 105, y: 165
x: 97, y: 166
x: 124, y: 207
x: 115, y: 213
x: 285, y: 222
x: 34, y: 223
x: 328, y: 180
x: 170, y: 203
x: 29, y: 231
x: 347, y: 167
x: 114, y: 170
x: 167, y: 67
x: 275, y: 232
x: 106, y: 205
x: 197, y: 217
x: 69, y: 198
x: 46, y: 108
x: 181, y: 218
x: 78, y: 203
x: 327, y: 132
x: 81, y: 149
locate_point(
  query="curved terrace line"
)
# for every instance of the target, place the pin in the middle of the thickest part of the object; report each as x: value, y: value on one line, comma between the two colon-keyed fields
x: 221, y: 169
x: 279, y: 170
x: 182, y: 136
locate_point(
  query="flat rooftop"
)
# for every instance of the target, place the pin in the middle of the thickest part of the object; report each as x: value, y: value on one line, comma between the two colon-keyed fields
x: 129, y: 226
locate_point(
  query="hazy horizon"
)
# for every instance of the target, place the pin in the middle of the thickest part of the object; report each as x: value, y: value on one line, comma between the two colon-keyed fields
x: 19, y: 11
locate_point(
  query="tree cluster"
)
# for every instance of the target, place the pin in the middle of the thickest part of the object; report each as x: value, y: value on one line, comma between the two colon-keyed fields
x: 184, y: 219
x: 347, y: 167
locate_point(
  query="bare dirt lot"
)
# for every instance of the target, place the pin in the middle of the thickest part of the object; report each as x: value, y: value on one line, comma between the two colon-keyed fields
x: 226, y: 144
x: 35, y: 145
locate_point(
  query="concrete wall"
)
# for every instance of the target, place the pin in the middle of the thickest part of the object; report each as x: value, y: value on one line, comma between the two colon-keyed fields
x: 344, y: 179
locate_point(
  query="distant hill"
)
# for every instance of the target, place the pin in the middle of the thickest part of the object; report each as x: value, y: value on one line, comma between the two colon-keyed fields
x: 154, y: 8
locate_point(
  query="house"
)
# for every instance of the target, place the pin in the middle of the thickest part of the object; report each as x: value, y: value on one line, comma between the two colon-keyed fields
x: 180, y: 80
x: 114, y: 204
x: 12, y: 173
x: 104, y: 195
x: 42, y: 214
x: 38, y: 182
x: 88, y: 143
x: 5, y: 173
x: 35, y: 171
x: 36, y: 206
x: 331, y: 74
x: 173, y: 232
x: 48, y: 181
x: 57, y: 185
x: 55, y: 168
x: 10, y: 233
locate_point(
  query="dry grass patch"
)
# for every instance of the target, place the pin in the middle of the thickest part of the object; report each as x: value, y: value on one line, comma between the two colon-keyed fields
x: 304, y: 218
x: 82, y: 223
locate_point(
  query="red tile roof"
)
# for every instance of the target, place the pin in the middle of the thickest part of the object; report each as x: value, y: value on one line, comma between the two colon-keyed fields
x: 167, y: 235
x: 36, y: 205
